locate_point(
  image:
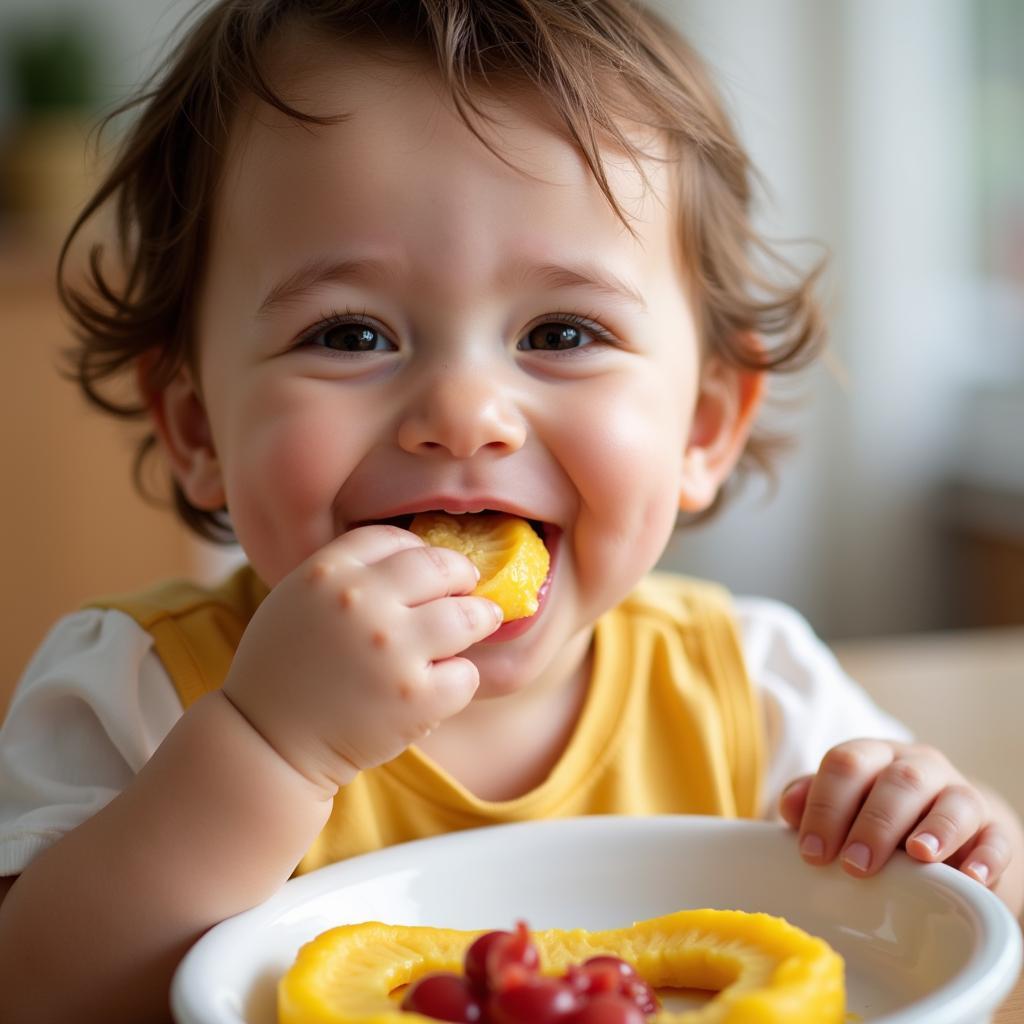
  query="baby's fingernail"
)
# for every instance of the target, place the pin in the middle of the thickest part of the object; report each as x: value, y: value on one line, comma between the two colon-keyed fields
x: 858, y: 856
x: 979, y: 871
x: 928, y: 841
x: 812, y: 846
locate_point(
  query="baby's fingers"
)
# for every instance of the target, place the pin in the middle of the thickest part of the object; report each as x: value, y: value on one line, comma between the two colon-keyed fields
x: 845, y: 777
x: 915, y: 781
x: 794, y: 799
x: 448, y: 626
x: 986, y: 858
x: 421, y: 574
x: 954, y: 818
x: 452, y: 684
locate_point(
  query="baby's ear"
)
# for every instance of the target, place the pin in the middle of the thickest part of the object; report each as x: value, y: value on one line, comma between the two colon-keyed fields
x: 727, y: 404
x: 183, y: 432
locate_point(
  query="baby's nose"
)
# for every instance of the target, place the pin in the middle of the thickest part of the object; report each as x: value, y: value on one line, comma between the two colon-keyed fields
x: 462, y: 414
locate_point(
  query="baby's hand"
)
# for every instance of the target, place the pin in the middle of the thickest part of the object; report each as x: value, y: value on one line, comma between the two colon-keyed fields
x: 870, y: 796
x: 351, y: 657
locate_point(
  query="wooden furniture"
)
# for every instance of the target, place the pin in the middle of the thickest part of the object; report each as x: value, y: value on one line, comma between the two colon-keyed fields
x: 1012, y: 1011
x: 73, y: 526
x: 962, y: 691
x: 985, y: 528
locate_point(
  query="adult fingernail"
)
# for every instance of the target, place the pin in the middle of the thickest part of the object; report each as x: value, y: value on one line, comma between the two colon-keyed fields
x: 858, y: 856
x: 979, y: 871
x: 812, y: 846
x: 928, y: 841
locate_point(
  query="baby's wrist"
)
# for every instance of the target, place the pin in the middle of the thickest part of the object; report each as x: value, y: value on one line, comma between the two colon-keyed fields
x: 321, y: 782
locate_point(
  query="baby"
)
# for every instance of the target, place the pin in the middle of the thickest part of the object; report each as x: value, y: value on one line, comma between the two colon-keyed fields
x: 382, y: 258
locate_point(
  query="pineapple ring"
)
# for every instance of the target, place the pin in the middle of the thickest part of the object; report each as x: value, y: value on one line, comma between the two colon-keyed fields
x: 512, y: 560
x: 767, y: 970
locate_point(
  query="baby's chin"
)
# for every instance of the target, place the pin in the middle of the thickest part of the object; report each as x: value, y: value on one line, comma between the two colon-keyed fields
x: 496, y: 684
x: 520, y: 667
x: 501, y: 675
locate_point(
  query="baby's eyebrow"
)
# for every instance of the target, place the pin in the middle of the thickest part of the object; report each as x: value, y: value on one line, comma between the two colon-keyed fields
x: 319, y: 270
x: 576, y: 275
x: 316, y: 271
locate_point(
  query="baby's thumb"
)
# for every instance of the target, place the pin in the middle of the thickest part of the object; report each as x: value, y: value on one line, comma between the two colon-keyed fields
x: 794, y: 799
x: 454, y: 681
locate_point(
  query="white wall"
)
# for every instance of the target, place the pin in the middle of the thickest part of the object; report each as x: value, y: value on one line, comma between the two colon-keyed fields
x: 772, y: 67
x: 859, y: 115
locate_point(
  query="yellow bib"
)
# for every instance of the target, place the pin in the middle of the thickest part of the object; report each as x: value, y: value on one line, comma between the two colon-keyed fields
x: 670, y: 724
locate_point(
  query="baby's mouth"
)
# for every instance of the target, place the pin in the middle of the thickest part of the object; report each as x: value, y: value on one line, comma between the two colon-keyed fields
x: 507, y: 572
x: 542, y: 529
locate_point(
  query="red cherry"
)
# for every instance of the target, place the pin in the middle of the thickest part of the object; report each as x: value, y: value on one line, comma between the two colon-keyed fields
x: 607, y: 1008
x: 476, y: 958
x: 615, y: 963
x: 444, y: 997
x: 601, y: 974
x: 512, y: 959
x: 637, y: 991
x: 592, y: 979
x: 539, y: 1001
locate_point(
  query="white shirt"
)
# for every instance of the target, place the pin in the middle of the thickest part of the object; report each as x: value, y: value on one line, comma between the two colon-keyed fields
x: 95, y: 702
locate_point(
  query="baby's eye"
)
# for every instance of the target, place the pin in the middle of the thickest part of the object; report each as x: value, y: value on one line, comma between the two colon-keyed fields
x: 348, y: 336
x: 556, y: 336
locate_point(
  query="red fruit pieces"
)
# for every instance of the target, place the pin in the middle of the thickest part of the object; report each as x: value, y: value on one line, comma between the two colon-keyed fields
x: 476, y: 959
x: 444, y: 997
x: 641, y: 994
x: 503, y: 985
x: 601, y: 975
x: 607, y: 1008
x: 540, y: 1001
x: 512, y: 959
x: 501, y: 960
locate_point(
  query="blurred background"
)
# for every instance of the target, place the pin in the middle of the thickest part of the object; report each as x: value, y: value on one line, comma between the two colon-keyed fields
x: 891, y: 131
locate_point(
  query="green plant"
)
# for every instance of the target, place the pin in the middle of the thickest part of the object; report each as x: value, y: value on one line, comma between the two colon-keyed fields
x: 53, y: 68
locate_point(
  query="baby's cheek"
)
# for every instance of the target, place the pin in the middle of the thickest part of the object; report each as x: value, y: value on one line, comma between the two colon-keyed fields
x: 626, y: 471
x: 281, y: 488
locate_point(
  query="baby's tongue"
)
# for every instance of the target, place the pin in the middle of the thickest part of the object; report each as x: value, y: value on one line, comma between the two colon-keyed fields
x: 511, y: 559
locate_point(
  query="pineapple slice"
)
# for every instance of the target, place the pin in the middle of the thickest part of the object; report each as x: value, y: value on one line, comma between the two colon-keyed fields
x: 512, y: 560
x: 766, y: 971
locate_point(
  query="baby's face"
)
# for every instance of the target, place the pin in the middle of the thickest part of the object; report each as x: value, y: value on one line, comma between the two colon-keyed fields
x: 394, y: 320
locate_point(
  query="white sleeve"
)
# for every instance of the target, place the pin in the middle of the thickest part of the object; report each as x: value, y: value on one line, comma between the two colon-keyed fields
x: 808, y: 702
x: 92, y: 706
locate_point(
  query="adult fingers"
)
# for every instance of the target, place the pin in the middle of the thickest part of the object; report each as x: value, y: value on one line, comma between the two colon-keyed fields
x: 844, y: 779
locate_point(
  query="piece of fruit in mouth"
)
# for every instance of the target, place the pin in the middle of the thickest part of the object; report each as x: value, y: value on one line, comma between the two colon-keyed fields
x: 509, y: 555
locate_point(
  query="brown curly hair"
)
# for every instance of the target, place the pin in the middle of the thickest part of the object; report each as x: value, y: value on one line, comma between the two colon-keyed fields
x: 599, y: 63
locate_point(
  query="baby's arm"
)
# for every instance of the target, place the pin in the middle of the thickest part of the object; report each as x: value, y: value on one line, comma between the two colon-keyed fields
x: 347, y: 661
x: 96, y: 924
x: 870, y: 796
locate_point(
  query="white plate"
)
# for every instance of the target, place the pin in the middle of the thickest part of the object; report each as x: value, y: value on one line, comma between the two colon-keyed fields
x: 923, y: 944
